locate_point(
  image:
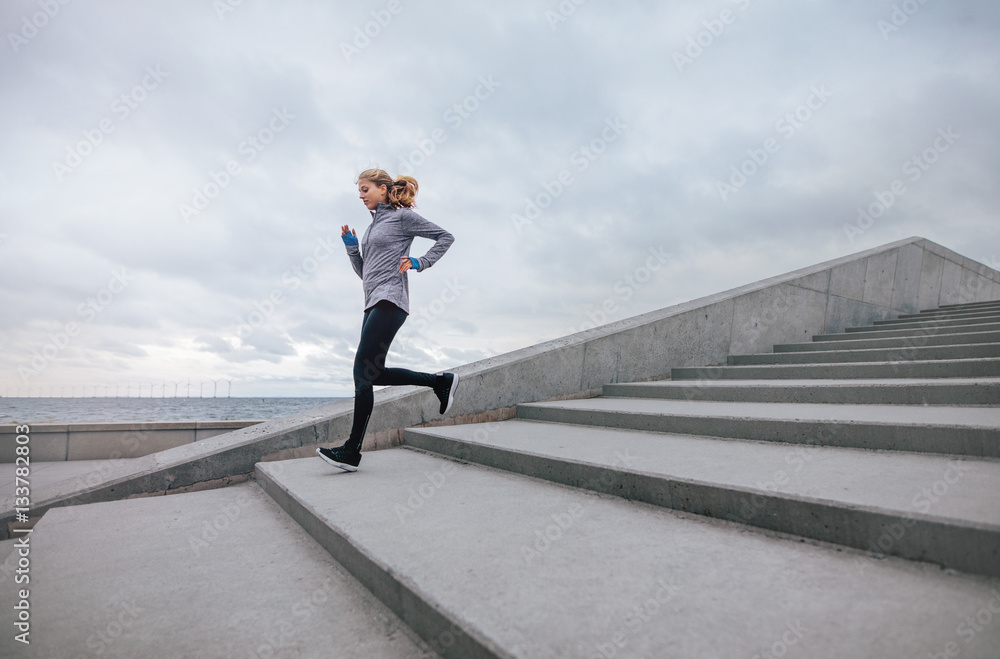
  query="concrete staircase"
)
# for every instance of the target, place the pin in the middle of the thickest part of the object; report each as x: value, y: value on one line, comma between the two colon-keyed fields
x: 833, y: 498
x: 836, y: 498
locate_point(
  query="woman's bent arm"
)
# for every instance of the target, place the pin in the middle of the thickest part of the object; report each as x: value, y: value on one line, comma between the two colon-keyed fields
x: 415, y: 225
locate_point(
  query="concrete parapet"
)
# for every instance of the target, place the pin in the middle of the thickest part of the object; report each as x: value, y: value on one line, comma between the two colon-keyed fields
x: 53, y: 442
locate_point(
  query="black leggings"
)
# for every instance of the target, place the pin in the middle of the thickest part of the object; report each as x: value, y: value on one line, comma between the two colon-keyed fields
x: 378, y: 328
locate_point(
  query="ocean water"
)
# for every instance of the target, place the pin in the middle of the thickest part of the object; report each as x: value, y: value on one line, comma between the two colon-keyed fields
x: 108, y: 410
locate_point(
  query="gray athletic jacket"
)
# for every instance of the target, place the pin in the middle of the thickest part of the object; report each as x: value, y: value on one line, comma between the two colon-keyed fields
x: 388, y: 237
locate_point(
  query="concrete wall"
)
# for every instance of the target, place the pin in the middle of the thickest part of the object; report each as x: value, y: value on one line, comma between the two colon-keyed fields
x: 883, y: 282
x: 109, y: 441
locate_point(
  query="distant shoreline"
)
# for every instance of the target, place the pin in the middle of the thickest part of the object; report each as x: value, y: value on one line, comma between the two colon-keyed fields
x: 100, y: 409
x: 177, y: 397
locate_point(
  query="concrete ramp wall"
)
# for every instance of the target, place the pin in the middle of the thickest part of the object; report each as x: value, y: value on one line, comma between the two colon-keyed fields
x: 53, y: 442
x: 879, y: 283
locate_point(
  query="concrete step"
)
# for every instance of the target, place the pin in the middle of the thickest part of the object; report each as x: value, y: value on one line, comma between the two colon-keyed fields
x: 45, y: 474
x: 217, y: 573
x: 969, y: 431
x: 855, y: 343
x: 944, y: 314
x: 975, y: 319
x: 940, y: 368
x: 937, y: 391
x: 486, y: 563
x: 929, y: 330
x: 843, y: 496
x: 995, y: 304
x: 910, y: 353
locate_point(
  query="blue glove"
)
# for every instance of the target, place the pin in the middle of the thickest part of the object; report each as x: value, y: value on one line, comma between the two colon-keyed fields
x: 414, y: 262
x: 350, y: 239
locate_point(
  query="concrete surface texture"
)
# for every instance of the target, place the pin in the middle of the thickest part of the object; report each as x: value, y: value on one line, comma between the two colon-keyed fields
x: 221, y: 573
x: 878, y: 284
x: 583, y: 508
x: 528, y: 568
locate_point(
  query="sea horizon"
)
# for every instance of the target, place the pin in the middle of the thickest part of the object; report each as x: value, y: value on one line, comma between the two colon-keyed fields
x: 110, y: 409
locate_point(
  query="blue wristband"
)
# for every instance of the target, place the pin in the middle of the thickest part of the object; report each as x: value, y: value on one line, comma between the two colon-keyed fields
x: 414, y: 262
x: 349, y: 239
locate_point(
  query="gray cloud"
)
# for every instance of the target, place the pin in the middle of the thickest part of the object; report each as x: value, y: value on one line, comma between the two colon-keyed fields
x: 267, y: 90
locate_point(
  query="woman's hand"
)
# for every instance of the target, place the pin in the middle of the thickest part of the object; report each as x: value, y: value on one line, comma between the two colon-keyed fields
x: 404, y: 263
x: 349, y: 237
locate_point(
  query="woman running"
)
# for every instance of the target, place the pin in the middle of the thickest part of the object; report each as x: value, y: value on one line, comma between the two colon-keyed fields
x: 382, y: 268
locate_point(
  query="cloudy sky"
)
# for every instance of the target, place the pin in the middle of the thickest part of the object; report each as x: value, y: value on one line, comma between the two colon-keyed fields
x: 174, y: 175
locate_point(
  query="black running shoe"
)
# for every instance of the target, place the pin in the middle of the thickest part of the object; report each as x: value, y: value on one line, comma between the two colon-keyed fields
x: 339, y: 457
x: 446, y: 391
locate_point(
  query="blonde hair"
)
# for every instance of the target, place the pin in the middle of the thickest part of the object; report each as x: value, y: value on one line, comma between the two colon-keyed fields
x: 402, y: 191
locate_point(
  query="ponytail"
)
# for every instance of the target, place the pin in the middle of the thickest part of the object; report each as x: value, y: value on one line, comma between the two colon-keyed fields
x: 402, y: 191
